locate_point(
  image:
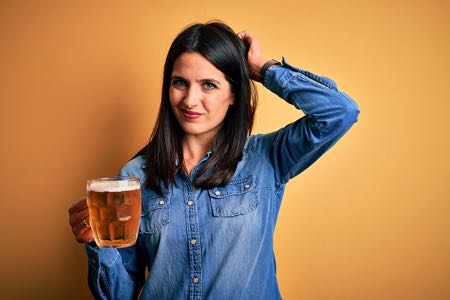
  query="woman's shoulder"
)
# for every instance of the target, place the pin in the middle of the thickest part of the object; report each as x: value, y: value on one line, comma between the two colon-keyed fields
x: 135, y: 167
x: 260, y: 142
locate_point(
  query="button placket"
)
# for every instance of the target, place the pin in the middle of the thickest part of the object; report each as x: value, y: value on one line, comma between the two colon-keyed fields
x: 192, y: 230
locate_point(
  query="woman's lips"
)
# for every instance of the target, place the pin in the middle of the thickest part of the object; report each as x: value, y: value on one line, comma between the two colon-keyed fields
x: 190, y: 115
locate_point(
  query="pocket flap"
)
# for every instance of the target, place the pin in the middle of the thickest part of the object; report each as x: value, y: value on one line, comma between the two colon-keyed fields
x: 239, y: 197
x: 235, y: 187
x: 152, y: 200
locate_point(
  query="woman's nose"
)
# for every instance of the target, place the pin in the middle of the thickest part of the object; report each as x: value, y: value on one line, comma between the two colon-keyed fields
x: 193, y: 96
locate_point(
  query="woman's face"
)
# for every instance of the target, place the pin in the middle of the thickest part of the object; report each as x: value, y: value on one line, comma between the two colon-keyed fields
x: 199, y: 95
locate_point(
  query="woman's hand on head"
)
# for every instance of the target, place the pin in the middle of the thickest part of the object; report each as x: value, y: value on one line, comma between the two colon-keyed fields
x: 79, y: 221
x: 255, y: 57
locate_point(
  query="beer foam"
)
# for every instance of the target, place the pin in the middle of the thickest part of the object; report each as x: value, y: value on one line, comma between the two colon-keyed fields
x: 114, y: 186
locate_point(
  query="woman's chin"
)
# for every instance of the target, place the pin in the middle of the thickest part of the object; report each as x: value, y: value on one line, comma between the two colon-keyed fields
x: 199, y: 132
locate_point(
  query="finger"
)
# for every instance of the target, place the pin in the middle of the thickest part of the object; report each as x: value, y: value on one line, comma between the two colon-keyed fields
x: 81, y: 227
x: 78, y: 217
x: 241, y: 34
x: 246, y: 37
x: 85, y: 236
x: 79, y: 205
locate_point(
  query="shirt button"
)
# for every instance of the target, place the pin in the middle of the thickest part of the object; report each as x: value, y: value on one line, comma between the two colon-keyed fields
x: 217, y: 193
x: 161, y: 202
x: 190, y: 202
x: 195, y: 279
x: 193, y: 241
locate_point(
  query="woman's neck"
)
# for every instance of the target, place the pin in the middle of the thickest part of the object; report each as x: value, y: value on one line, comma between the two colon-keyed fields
x: 194, y: 149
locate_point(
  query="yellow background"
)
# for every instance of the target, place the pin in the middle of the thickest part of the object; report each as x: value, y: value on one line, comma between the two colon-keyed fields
x: 80, y: 88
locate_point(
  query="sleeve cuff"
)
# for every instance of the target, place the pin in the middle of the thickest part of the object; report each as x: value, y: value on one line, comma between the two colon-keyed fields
x: 97, y: 256
x: 276, y: 76
x: 275, y: 79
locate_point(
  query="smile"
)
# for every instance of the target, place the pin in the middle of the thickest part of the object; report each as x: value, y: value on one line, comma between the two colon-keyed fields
x: 190, y: 115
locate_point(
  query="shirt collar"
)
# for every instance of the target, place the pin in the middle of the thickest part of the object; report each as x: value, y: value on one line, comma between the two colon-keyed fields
x: 206, y: 157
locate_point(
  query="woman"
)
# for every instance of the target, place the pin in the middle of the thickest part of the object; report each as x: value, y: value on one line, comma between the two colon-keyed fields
x: 212, y: 235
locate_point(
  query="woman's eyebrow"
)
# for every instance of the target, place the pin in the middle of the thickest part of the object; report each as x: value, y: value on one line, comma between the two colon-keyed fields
x: 178, y: 77
x: 211, y: 80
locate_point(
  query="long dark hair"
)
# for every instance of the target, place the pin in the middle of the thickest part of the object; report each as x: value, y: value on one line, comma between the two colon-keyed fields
x: 164, y: 154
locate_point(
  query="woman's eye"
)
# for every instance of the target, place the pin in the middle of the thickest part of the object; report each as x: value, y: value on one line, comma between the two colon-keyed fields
x: 178, y: 83
x: 209, y: 85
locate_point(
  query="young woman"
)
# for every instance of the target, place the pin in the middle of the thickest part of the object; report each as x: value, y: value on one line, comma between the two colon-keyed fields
x: 211, y: 192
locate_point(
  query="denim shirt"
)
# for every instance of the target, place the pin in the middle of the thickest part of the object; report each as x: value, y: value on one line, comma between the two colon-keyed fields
x: 218, y: 243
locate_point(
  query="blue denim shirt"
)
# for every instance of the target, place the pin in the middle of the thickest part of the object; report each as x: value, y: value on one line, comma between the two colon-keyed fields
x: 218, y: 243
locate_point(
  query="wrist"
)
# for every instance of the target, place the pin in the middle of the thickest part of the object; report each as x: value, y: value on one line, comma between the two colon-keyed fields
x: 259, y: 64
x: 93, y: 244
x: 266, y: 66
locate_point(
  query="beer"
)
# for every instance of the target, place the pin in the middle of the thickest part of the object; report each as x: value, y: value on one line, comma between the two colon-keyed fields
x: 114, y: 210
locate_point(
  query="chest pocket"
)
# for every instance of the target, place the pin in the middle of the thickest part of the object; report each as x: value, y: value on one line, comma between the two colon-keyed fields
x: 155, y: 211
x: 239, y: 197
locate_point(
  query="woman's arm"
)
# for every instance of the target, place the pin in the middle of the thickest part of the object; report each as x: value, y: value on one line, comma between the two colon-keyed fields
x: 329, y: 114
x: 112, y: 273
x: 115, y: 273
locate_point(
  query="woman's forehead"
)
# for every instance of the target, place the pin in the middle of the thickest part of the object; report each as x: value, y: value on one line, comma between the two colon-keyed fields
x: 193, y: 65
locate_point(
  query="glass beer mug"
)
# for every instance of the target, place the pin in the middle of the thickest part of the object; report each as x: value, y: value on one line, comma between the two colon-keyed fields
x: 114, y: 210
